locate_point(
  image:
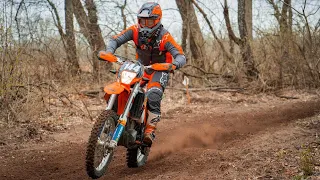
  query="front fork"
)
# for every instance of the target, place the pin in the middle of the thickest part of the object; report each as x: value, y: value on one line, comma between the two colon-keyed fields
x: 123, y: 117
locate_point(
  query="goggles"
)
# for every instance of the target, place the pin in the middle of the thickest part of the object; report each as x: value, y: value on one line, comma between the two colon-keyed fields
x: 147, y: 22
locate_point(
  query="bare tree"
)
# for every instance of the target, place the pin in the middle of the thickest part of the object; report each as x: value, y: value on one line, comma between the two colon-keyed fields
x: 226, y: 53
x: 309, y: 49
x: 16, y: 19
x: 183, y: 9
x: 89, y: 28
x: 67, y: 37
x: 71, y: 49
x: 196, y: 39
x: 284, y: 18
x: 248, y: 16
x: 244, y: 40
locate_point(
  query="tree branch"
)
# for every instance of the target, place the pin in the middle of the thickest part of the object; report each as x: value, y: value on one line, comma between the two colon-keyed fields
x: 16, y: 19
x: 229, y: 56
x: 207, y: 75
x: 82, y: 19
x: 276, y: 9
x: 57, y: 18
x: 227, y: 21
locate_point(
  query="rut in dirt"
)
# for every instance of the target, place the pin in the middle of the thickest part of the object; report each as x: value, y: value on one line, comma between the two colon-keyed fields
x: 176, y: 149
x: 219, y: 128
x: 173, y: 151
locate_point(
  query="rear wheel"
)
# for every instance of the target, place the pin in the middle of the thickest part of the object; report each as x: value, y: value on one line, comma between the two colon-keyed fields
x: 136, y: 157
x: 98, y: 156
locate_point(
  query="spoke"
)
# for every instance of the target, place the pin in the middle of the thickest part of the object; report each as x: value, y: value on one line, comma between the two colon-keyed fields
x: 103, y: 162
x: 102, y: 155
x: 100, y: 142
x: 139, y: 155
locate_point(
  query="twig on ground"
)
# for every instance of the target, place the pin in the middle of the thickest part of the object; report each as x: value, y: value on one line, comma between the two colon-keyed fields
x: 220, y: 89
x: 286, y: 97
x: 207, y: 75
x: 91, y: 93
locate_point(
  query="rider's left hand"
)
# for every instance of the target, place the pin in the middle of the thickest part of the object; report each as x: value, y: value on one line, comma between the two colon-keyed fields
x: 171, y: 68
x: 175, y: 65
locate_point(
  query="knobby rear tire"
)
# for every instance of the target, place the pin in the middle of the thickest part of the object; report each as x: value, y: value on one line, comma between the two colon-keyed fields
x: 135, y: 158
x: 107, y: 116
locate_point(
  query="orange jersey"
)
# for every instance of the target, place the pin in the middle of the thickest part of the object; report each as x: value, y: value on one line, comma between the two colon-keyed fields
x: 160, y: 50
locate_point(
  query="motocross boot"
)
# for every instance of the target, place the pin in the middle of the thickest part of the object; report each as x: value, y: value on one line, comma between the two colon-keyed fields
x: 149, y: 133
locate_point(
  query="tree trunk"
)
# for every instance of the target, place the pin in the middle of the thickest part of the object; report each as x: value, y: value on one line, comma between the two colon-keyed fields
x: 284, y: 19
x: 248, y: 16
x: 284, y: 23
x: 71, y: 49
x: 183, y: 9
x: 284, y: 39
x: 245, y: 46
x: 197, y: 43
x: 67, y: 38
x: 226, y: 53
x: 290, y: 19
x: 184, y: 35
x: 90, y: 28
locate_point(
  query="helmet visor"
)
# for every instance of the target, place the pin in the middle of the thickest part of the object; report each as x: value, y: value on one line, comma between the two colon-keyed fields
x: 147, y: 22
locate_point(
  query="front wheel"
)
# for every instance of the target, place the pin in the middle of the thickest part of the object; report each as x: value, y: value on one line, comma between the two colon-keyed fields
x: 98, y: 156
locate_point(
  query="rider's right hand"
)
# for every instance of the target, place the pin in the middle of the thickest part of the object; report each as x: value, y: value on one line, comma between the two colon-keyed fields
x: 106, y: 56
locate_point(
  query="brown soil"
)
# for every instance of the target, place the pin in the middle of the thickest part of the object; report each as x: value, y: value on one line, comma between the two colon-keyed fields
x: 244, y: 137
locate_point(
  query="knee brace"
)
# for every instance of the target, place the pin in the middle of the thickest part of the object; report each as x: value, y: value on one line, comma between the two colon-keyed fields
x: 154, y: 95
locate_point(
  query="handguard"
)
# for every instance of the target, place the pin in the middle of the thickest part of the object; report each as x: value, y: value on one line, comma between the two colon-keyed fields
x: 163, y: 67
x: 107, y: 56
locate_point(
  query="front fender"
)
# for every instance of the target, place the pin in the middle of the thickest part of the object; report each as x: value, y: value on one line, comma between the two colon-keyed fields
x: 115, y: 88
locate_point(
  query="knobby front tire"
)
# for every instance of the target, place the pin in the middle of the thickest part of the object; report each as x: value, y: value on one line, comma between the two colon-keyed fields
x: 97, y: 156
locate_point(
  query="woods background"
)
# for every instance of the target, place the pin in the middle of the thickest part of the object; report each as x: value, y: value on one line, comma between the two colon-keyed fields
x: 48, y: 47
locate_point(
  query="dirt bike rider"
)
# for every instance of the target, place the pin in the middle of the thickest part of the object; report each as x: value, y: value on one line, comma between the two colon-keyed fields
x: 154, y: 44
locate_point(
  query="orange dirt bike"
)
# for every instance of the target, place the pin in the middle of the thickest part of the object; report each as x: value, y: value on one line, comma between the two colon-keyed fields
x: 123, y: 121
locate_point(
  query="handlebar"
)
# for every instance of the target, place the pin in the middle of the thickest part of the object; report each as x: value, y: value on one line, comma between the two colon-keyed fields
x: 120, y: 60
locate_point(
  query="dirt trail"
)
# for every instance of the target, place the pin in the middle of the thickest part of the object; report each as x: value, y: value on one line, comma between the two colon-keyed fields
x: 210, y: 145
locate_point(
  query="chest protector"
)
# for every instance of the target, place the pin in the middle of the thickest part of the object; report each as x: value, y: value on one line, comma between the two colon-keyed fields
x: 150, y: 51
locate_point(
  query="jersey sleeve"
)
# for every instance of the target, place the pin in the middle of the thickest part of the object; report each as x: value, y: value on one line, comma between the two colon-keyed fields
x: 125, y: 36
x: 175, y: 50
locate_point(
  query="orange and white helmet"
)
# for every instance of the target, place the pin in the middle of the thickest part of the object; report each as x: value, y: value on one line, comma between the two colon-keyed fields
x: 149, y: 18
